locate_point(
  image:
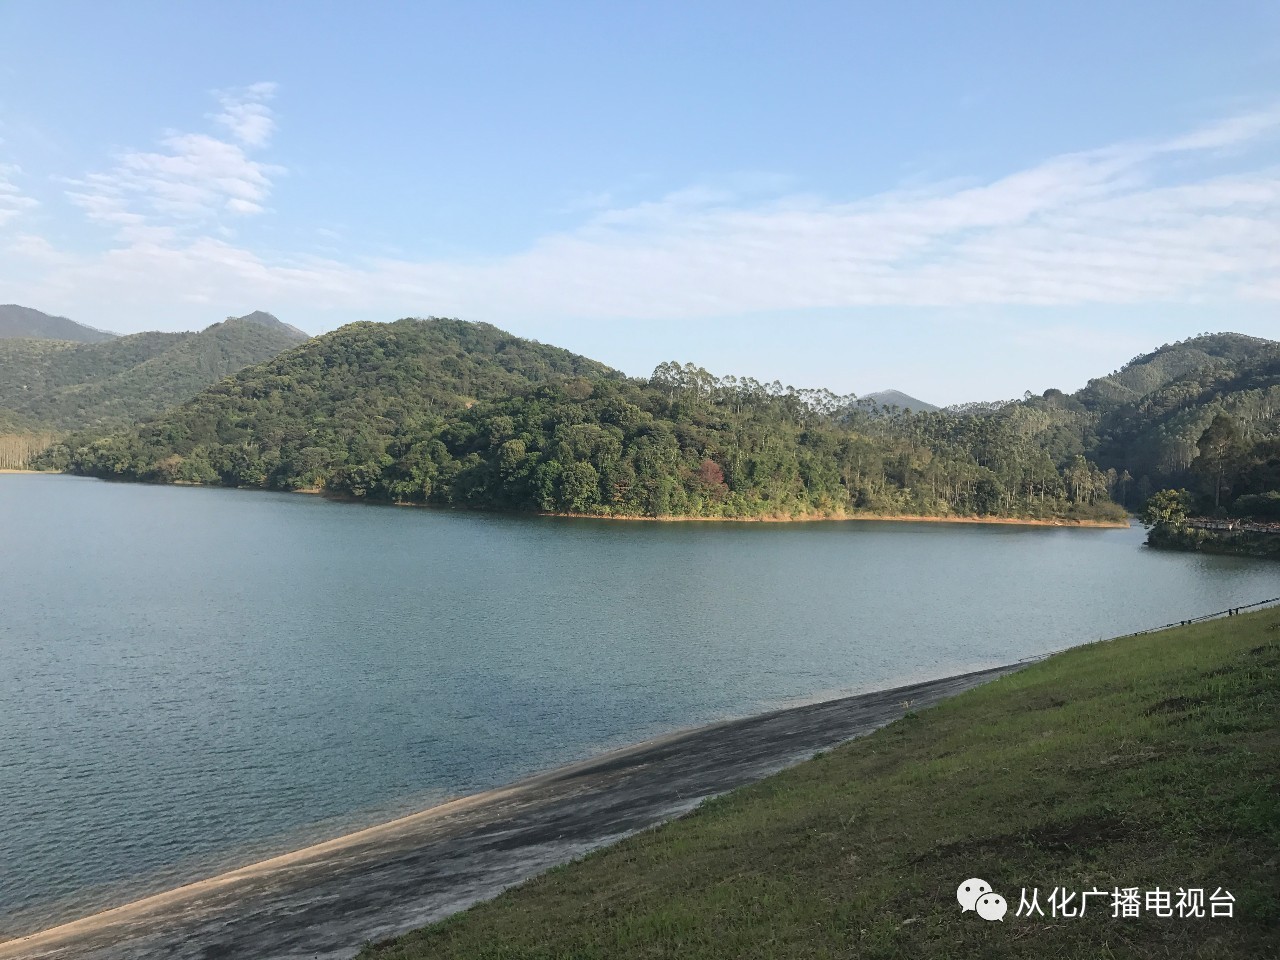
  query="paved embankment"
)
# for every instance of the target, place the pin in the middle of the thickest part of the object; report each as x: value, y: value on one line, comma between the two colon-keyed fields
x: 327, y: 900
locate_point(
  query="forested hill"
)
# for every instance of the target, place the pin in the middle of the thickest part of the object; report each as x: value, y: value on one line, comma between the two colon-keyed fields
x: 334, y: 410
x: 1149, y: 421
x: 1158, y: 434
x: 16, y: 321
x: 51, y: 385
x: 440, y: 411
x: 1198, y: 359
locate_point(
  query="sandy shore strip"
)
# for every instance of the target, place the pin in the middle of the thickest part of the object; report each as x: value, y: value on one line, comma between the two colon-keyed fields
x: 326, y: 900
x: 821, y: 517
x: 851, y: 517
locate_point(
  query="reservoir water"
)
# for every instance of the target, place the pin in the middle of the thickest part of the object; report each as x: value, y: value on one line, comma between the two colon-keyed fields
x: 193, y: 679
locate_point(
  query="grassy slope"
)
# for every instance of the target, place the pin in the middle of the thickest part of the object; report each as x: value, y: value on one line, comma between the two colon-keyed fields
x: 1142, y: 762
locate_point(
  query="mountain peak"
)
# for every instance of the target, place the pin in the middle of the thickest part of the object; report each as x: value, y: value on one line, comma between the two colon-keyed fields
x: 896, y: 398
x: 263, y: 319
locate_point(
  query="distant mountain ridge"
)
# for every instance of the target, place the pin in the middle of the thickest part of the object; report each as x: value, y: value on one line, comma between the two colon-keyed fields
x: 57, y: 385
x: 903, y: 401
x: 17, y: 321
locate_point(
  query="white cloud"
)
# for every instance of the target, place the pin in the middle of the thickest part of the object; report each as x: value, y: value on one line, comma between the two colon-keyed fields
x: 194, y: 179
x: 1229, y: 132
x: 1139, y: 222
x: 246, y: 114
x: 36, y: 251
x: 12, y: 200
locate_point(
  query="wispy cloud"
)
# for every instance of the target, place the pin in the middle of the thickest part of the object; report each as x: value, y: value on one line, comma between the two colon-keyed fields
x: 1229, y: 132
x: 12, y: 200
x: 192, y: 180
x: 1154, y: 221
x: 246, y: 114
x: 1106, y: 226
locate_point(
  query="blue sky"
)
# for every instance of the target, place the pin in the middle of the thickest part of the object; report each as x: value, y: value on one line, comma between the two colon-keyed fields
x: 962, y: 201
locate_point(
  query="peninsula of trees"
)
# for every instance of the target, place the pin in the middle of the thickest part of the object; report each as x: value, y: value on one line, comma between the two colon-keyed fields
x: 448, y: 412
x: 463, y: 414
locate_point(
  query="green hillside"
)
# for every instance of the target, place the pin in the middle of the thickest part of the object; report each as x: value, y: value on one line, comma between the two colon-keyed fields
x: 1161, y: 436
x: 1148, y: 373
x: 1146, y: 423
x: 453, y: 413
x: 329, y: 412
x: 446, y: 412
x: 16, y: 321
x: 61, y: 386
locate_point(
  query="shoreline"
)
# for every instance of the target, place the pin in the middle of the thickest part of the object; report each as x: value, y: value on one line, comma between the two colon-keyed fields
x: 836, y: 517
x: 851, y: 517
x: 840, y: 517
x: 326, y: 899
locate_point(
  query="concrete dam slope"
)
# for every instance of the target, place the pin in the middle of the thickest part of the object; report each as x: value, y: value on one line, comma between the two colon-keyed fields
x: 326, y: 900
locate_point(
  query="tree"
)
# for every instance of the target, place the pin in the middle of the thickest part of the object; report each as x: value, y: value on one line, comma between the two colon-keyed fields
x: 1166, y: 508
x: 1221, y: 446
x: 712, y: 476
x: 579, y: 488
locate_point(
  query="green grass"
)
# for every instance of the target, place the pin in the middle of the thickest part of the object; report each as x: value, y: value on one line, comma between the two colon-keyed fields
x: 1141, y: 762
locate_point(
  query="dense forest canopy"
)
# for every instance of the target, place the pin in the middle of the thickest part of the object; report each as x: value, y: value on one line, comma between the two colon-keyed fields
x: 446, y: 412
x: 1155, y: 419
x: 455, y: 413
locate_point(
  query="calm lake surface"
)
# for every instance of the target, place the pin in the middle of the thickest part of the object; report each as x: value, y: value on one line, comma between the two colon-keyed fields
x: 194, y: 679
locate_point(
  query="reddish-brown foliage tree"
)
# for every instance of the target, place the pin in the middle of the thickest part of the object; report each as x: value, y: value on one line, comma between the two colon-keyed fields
x: 712, y: 475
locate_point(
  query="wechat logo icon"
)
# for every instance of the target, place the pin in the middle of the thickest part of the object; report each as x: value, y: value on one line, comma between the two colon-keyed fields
x: 977, y: 895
